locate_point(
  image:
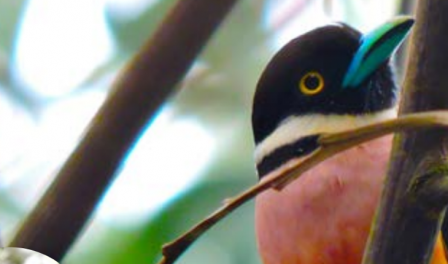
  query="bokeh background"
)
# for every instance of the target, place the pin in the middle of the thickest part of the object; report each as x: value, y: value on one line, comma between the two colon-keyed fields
x: 57, y: 61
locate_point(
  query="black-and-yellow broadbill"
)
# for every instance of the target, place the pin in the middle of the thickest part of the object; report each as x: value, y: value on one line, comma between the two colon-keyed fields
x: 330, y: 79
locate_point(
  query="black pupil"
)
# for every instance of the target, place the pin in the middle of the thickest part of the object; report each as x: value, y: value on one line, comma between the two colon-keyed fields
x: 312, y: 82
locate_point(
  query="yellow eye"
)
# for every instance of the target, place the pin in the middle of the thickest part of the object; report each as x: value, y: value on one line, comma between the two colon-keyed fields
x: 311, y: 83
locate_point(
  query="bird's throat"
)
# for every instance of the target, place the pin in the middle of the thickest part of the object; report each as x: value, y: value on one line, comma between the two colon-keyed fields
x: 297, y: 136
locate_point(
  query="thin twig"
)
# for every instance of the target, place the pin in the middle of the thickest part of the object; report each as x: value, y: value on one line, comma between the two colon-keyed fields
x: 144, y: 86
x: 330, y: 144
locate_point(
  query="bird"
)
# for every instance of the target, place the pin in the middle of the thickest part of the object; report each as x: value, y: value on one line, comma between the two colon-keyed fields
x: 330, y: 79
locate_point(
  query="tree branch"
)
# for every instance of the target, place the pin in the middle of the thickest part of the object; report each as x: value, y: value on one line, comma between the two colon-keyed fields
x: 135, y: 97
x: 329, y: 145
x: 404, y: 231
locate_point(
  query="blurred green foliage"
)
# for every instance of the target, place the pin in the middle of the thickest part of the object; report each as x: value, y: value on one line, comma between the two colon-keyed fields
x: 220, y: 98
x: 141, y: 244
x: 10, y: 18
x: 10, y: 14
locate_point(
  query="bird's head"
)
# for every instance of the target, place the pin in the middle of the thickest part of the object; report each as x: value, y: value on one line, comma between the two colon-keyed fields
x: 329, y: 79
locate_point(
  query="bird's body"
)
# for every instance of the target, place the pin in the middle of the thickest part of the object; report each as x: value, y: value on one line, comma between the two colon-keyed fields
x: 329, y: 80
x: 324, y: 216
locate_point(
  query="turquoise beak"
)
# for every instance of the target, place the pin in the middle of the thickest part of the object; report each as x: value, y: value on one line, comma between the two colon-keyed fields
x: 376, y: 47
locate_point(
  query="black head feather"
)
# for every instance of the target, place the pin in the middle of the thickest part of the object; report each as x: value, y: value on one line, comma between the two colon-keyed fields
x: 329, y: 51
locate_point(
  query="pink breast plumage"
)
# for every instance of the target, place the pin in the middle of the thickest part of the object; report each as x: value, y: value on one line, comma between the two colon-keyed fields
x: 326, y: 213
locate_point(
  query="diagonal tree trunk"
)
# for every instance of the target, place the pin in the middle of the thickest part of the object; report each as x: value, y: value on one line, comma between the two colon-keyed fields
x: 414, y: 198
x: 135, y: 97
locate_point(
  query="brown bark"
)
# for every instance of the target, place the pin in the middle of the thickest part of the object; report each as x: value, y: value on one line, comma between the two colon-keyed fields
x: 413, y: 202
x: 144, y: 86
